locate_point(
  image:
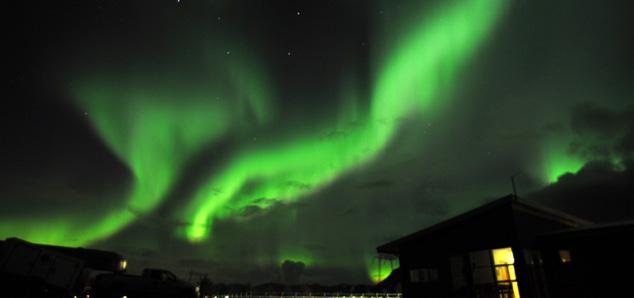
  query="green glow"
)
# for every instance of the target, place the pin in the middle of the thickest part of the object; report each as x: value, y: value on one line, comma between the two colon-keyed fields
x: 423, y: 65
x: 560, y: 163
x: 416, y: 73
x: 155, y: 126
x: 278, y: 172
x: 154, y: 131
x: 68, y: 229
x: 153, y: 139
x: 296, y: 256
x: 379, y: 269
x: 253, y: 92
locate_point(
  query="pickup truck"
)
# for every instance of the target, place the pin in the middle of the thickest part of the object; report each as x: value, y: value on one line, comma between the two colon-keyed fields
x: 153, y: 283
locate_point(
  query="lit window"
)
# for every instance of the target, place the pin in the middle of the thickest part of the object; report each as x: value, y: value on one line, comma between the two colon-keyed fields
x: 123, y: 264
x: 564, y: 256
x: 495, y: 267
x: 504, y: 262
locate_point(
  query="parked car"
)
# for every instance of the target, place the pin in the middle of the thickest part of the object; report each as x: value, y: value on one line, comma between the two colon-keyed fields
x: 152, y: 283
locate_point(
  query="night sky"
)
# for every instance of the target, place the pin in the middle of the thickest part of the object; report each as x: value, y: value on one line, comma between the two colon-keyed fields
x: 231, y: 136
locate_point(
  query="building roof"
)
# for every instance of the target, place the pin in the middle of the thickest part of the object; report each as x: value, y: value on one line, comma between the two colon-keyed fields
x: 93, y: 258
x: 612, y: 227
x: 511, y: 201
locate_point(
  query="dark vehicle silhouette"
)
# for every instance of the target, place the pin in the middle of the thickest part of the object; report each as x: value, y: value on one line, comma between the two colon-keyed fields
x: 153, y: 283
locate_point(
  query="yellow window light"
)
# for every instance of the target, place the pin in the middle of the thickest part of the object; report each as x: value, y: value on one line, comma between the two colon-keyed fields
x: 505, y: 269
x: 123, y: 264
x: 564, y: 256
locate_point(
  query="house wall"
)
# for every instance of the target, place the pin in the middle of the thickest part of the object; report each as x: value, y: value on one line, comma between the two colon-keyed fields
x: 507, y: 225
x: 492, y: 229
x: 602, y: 264
x: 528, y: 259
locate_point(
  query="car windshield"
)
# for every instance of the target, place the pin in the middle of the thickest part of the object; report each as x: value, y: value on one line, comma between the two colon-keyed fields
x: 169, y: 276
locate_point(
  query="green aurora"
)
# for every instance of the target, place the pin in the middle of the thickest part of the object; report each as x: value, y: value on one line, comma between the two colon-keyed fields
x: 407, y: 84
x: 155, y: 132
x: 380, y: 269
x: 559, y: 161
x: 158, y: 125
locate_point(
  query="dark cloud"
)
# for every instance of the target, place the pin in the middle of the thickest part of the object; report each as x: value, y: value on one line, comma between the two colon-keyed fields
x: 298, y: 185
x: 598, y: 192
x: 593, y: 118
x: 601, y: 132
x: 292, y: 272
x: 602, y: 190
x: 251, y: 210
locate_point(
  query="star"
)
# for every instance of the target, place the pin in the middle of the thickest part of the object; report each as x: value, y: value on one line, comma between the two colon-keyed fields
x: 299, y: 12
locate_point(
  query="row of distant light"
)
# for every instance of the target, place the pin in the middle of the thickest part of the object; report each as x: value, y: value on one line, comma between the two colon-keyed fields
x: 377, y: 295
x: 363, y: 296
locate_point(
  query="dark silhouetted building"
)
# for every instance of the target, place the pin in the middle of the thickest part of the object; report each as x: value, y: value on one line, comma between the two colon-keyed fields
x: 515, y: 248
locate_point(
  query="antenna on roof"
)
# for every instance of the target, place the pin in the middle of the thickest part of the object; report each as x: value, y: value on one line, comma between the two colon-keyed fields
x: 514, y: 188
